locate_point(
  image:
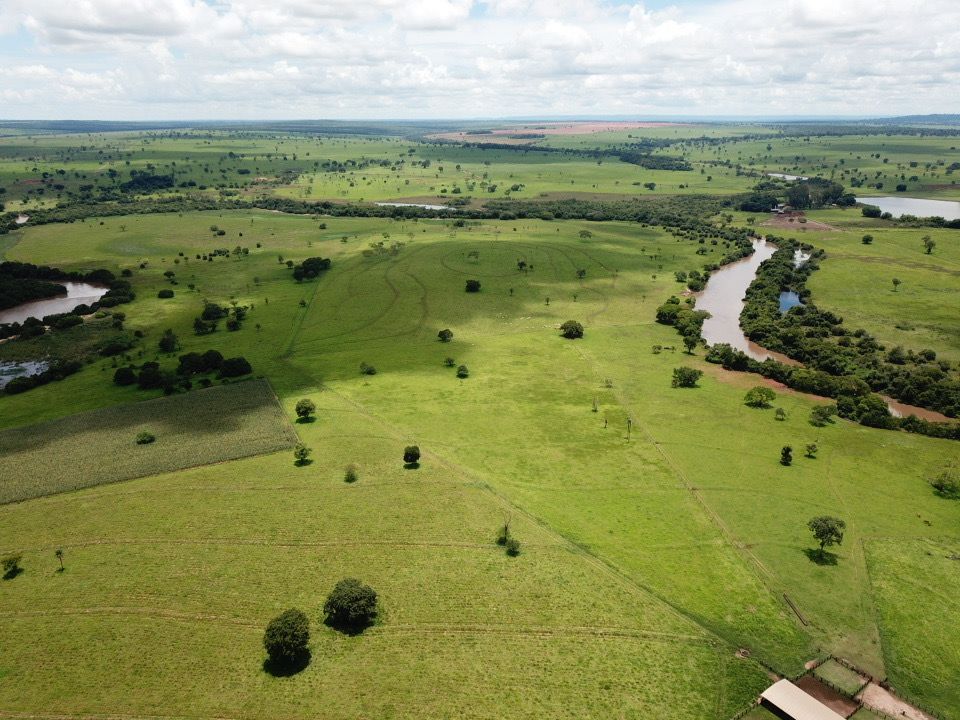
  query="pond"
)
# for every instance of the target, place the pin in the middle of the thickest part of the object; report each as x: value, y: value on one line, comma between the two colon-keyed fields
x: 897, y: 206
x: 784, y: 176
x: 11, y: 370
x: 419, y: 205
x: 789, y: 299
x: 78, y: 293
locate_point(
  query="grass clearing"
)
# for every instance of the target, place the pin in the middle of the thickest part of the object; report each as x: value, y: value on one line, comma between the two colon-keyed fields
x: 196, y: 428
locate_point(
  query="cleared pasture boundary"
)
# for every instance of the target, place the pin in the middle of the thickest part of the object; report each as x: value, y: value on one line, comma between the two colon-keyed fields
x: 201, y: 427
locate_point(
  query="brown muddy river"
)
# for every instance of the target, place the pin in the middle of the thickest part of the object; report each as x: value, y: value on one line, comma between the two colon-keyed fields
x: 78, y: 293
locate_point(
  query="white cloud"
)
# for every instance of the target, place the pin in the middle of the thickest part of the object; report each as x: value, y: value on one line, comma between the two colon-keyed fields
x: 353, y: 58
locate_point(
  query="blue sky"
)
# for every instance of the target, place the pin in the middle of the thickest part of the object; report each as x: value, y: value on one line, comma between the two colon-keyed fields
x: 185, y: 59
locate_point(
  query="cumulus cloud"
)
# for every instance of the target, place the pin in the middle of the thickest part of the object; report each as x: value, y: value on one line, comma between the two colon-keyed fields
x: 416, y: 58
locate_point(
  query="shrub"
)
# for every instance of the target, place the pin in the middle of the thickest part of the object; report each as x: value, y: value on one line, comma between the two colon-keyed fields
x: 473, y: 286
x: 286, y: 638
x: 571, y: 330
x: 685, y: 377
x: 445, y: 335
x: 786, y: 455
x: 947, y: 485
x: 821, y: 414
x: 351, y: 605
x: 145, y: 438
x: 463, y: 372
x: 367, y: 369
x: 759, y: 397
x: 411, y: 454
x: 11, y: 565
x: 351, y: 473
x: 165, y: 294
x: 780, y: 414
x: 305, y: 409
x: 449, y: 362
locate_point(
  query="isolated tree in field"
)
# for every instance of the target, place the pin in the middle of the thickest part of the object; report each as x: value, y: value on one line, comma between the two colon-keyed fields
x: 780, y: 414
x: 305, y: 409
x: 463, y: 372
x: 512, y: 547
x: 301, y: 454
x: 168, y: 341
x: 685, y: 377
x: 286, y: 639
x: 351, y: 473
x: 585, y: 234
x: 571, y: 330
x: 759, y: 397
x: 411, y: 455
x: 867, y: 239
x: 812, y: 450
x: 59, y: 555
x: 473, y: 286
x: 581, y: 274
x: 449, y: 362
x: 351, y: 605
x: 445, y: 335
x: 690, y: 342
x: 947, y: 484
x: 10, y: 564
x: 896, y: 283
x: 786, y: 455
x: 928, y: 244
x: 827, y: 530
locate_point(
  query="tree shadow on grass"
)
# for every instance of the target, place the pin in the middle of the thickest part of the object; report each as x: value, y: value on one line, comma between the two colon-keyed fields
x: 303, y: 463
x: 12, y: 573
x: 286, y: 668
x: 411, y: 466
x: 351, y: 629
x: 820, y: 557
x: 305, y: 420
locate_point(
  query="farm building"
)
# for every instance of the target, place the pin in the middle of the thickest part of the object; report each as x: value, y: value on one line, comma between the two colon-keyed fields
x: 787, y: 701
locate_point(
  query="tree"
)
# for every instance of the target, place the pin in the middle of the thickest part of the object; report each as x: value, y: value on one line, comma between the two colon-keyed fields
x: 165, y: 294
x: 473, y: 286
x: 786, y: 455
x: 821, y: 414
x: 512, y: 547
x: 124, y: 376
x: 571, y: 330
x: 305, y: 409
x: 145, y: 438
x: 351, y: 473
x: 867, y: 239
x: 301, y: 454
x: 411, y: 455
x: 896, y: 283
x: 449, y: 362
x: 445, y: 335
x: 463, y: 372
x: 685, y: 377
x: 581, y: 274
x: 234, y: 367
x: 690, y: 342
x: 947, y: 484
x: 286, y: 639
x: 928, y: 244
x: 168, y: 341
x: 780, y: 414
x: 351, y: 605
x: 59, y: 555
x: 759, y: 397
x: 827, y: 530
x: 11, y: 565
x: 811, y: 450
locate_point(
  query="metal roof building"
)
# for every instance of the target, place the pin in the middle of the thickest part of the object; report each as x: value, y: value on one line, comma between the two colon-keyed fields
x: 787, y: 701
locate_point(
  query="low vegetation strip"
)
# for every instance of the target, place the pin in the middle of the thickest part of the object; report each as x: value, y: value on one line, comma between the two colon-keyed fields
x: 201, y: 427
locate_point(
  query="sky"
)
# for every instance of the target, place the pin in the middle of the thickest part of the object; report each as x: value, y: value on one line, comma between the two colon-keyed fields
x: 418, y: 59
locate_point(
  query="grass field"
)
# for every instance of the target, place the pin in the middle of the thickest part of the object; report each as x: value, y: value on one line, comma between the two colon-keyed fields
x: 649, y: 557
x: 204, y: 426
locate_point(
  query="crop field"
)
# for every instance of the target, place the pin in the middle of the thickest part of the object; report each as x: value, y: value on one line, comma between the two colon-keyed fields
x: 206, y: 426
x: 666, y: 569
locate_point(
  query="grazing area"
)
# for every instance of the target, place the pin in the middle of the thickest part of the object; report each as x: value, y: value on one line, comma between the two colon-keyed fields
x: 137, y: 439
x: 379, y: 461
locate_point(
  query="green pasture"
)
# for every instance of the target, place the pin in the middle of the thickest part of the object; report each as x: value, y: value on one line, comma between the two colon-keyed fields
x: 652, y: 551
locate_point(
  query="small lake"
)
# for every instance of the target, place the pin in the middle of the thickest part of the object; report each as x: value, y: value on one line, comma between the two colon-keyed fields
x: 419, y: 205
x: 22, y: 219
x: 78, y: 293
x: 897, y: 206
x: 789, y: 299
x: 784, y: 176
x: 11, y: 370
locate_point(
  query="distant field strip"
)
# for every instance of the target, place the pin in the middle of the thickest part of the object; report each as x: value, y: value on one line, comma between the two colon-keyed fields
x: 97, y: 447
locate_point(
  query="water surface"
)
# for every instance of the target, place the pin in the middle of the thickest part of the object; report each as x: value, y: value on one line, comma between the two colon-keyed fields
x: 78, y: 293
x: 419, y: 205
x: 11, y: 370
x: 897, y: 206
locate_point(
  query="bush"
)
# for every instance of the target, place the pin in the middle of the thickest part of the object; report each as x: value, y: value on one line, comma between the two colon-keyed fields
x: 286, y: 638
x: 411, y: 454
x: 685, y: 377
x: 571, y: 330
x: 351, y: 605
x: 305, y: 409
x: 759, y: 397
x: 947, y: 485
x: 463, y: 372
x: 165, y: 294
x: 367, y: 369
x: 786, y: 455
x: 145, y: 438
x: 351, y: 474
x: 449, y: 362
x: 445, y: 335
x: 11, y: 565
x: 473, y: 286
